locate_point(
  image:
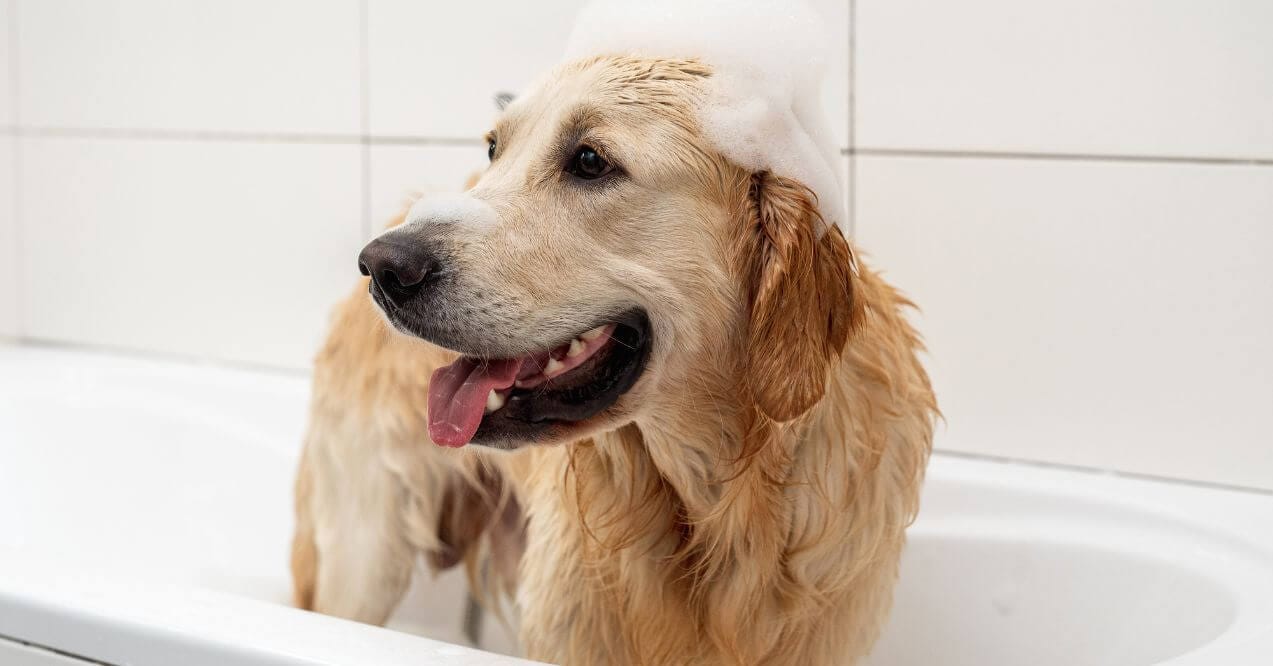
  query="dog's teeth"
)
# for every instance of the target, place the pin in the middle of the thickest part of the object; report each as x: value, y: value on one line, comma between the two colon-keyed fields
x: 554, y: 366
x: 593, y: 334
x: 576, y: 348
x: 494, y: 401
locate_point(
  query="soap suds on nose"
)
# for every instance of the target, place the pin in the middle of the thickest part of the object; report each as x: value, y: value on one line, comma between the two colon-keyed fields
x: 457, y: 209
x: 763, y: 108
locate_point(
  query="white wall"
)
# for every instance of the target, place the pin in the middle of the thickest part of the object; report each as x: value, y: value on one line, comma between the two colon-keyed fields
x: 8, y: 225
x: 8, y: 243
x: 1077, y: 193
x: 1080, y: 197
x: 196, y: 178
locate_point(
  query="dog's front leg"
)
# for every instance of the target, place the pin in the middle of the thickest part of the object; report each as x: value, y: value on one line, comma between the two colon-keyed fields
x: 350, y: 554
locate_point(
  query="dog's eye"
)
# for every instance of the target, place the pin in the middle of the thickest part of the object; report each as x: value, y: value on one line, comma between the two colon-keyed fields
x: 490, y: 150
x: 588, y: 165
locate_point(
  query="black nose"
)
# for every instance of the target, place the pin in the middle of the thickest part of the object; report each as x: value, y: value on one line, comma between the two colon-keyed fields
x: 401, y: 269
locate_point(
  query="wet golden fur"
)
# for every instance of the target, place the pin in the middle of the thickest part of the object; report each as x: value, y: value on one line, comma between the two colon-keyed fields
x: 745, y: 503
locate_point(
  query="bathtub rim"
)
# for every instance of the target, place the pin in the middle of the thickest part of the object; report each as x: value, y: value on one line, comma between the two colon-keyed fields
x: 48, y: 607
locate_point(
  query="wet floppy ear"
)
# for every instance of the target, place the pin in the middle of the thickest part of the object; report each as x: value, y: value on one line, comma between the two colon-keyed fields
x: 802, y: 307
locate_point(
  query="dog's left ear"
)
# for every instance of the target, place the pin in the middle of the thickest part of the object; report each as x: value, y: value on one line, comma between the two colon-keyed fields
x: 802, y: 302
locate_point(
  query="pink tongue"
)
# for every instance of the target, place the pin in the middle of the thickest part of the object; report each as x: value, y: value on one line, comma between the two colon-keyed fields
x: 457, y: 396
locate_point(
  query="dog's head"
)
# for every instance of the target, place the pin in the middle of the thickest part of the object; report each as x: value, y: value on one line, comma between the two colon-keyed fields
x: 608, y: 259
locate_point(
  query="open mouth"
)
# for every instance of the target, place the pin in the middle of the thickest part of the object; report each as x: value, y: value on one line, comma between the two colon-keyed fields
x: 503, y: 401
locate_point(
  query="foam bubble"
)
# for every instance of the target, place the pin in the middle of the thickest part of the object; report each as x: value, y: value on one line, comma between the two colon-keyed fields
x: 763, y: 106
x: 454, y: 209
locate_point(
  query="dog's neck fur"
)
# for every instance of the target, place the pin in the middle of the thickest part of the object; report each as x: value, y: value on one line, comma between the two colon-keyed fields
x: 702, y: 556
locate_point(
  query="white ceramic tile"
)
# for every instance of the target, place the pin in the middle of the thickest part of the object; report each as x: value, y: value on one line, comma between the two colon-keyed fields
x: 222, y: 250
x: 1141, y: 77
x: 236, y: 65
x: 1105, y: 314
x: 836, y: 93
x: 435, y: 67
x: 9, y: 324
x: 846, y: 187
x: 400, y: 174
x: 6, y: 45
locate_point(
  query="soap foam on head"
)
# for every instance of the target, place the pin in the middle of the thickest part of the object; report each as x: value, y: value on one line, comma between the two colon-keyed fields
x: 763, y: 106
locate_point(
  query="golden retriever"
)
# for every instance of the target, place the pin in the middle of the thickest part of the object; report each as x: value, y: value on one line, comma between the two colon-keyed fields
x: 693, y: 426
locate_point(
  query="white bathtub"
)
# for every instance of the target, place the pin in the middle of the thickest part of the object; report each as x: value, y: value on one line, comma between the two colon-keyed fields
x: 145, y: 513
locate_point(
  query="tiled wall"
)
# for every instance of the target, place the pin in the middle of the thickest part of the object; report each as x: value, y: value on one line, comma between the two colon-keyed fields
x: 8, y: 158
x: 1079, y: 194
x: 196, y: 178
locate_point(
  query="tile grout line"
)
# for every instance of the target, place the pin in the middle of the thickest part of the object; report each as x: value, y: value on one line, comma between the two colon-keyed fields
x: 404, y: 140
x: 229, y: 136
x: 131, y: 133
x: 15, y: 179
x: 851, y: 177
x: 939, y: 153
x: 364, y: 116
x: 401, y: 140
x: 15, y: 107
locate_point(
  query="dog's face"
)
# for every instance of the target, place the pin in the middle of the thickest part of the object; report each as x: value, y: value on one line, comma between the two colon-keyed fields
x: 599, y: 263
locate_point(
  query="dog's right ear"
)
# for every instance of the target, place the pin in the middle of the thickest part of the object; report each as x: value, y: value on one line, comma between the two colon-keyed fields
x: 802, y: 305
